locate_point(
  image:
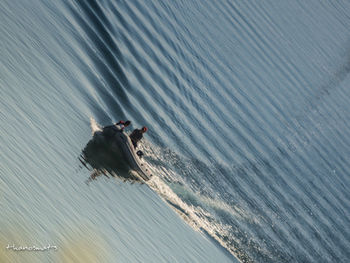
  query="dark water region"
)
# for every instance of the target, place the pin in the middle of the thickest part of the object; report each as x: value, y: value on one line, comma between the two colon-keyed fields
x: 247, y: 109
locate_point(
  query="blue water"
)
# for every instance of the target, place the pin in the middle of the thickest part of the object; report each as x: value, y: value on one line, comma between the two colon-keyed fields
x: 247, y: 109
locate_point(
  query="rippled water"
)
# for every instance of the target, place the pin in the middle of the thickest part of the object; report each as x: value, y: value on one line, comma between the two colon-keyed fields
x: 247, y: 105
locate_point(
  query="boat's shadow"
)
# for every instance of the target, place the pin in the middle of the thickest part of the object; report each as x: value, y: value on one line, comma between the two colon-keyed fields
x: 102, y: 157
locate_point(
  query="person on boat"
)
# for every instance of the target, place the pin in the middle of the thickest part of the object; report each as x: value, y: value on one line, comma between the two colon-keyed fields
x: 137, y: 135
x: 123, y: 124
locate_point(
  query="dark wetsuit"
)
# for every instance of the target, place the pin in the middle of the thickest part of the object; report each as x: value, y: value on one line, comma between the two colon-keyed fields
x: 135, y: 136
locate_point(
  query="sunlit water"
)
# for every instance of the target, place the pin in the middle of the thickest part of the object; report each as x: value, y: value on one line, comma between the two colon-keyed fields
x: 247, y: 105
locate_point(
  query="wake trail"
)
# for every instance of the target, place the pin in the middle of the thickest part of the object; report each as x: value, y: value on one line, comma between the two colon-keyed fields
x: 197, y: 218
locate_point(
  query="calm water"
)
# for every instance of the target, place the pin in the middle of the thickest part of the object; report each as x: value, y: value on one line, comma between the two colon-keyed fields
x: 247, y: 105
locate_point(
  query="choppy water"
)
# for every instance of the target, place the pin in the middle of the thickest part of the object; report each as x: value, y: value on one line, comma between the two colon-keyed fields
x: 247, y: 105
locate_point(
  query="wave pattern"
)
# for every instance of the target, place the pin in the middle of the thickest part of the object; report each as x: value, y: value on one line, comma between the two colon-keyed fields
x: 253, y: 102
x: 247, y: 105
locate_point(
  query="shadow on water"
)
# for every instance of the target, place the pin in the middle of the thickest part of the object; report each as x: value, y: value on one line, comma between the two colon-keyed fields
x: 103, y: 157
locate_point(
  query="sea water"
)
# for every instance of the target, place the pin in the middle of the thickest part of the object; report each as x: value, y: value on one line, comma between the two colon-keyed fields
x: 247, y: 109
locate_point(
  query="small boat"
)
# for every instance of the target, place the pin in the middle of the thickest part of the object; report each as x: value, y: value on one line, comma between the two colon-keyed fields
x: 134, y: 158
